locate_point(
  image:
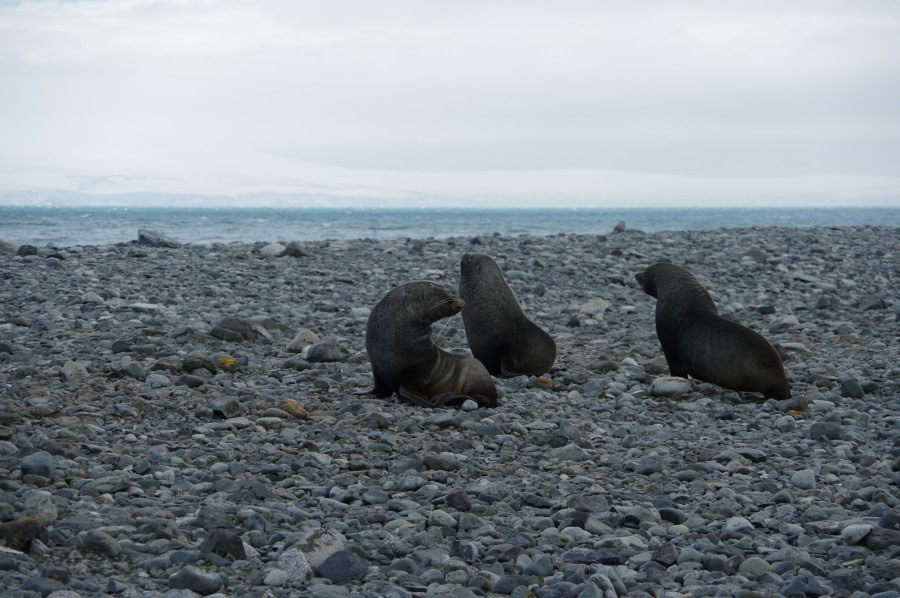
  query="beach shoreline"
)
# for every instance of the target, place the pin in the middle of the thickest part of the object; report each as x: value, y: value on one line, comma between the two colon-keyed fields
x: 160, y: 453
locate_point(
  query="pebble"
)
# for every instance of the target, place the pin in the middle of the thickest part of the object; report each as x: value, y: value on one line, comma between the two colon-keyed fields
x: 342, y: 567
x: 855, y: 533
x: 196, y: 580
x: 141, y: 454
x: 805, y: 479
x: 669, y: 386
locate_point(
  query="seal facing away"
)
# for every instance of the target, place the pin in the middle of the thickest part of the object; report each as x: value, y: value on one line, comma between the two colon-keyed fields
x: 698, y: 342
x: 499, y: 334
x: 406, y: 361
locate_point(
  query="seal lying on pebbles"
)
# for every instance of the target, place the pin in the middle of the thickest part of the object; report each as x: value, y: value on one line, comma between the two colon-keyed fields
x: 699, y: 343
x: 499, y: 334
x: 405, y: 361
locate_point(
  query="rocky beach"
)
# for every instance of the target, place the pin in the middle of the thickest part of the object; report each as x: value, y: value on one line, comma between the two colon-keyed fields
x: 180, y: 419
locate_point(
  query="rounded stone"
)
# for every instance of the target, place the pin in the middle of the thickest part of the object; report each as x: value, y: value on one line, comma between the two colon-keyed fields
x: 855, y: 533
x: 39, y: 463
x: 754, y: 566
x: 275, y: 577
x: 670, y: 386
x: 805, y: 479
x: 196, y: 580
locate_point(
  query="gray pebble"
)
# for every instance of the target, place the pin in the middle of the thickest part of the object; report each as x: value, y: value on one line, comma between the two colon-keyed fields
x: 196, y: 580
x: 805, y: 479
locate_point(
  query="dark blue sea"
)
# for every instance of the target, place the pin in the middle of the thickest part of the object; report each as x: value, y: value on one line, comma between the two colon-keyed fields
x: 66, y: 226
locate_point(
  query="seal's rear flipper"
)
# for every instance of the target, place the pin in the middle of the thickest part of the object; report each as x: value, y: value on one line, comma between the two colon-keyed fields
x: 447, y: 399
x: 419, y: 398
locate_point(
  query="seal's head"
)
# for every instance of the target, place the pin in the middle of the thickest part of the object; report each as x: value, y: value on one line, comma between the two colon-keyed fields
x: 662, y: 274
x: 428, y: 301
x: 474, y: 270
x: 475, y: 262
x: 647, y: 280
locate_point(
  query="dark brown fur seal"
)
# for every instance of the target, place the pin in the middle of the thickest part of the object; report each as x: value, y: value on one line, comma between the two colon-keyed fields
x: 499, y: 334
x: 698, y: 342
x: 406, y: 361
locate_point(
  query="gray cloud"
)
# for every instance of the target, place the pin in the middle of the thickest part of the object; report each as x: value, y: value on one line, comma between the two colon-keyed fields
x: 198, y: 90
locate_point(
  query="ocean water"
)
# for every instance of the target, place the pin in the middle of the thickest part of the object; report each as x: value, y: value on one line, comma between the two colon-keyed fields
x: 66, y: 226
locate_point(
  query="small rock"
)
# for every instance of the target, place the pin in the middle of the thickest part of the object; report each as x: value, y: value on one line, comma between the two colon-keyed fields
x: 754, y: 566
x: 73, y: 373
x: 273, y: 249
x: 459, y: 500
x: 595, y: 307
x: 199, y: 362
x: 343, y: 566
x: 237, y: 330
x: 100, y: 542
x: 224, y: 543
x: 276, y: 577
x: 155, y: 239
x: 294, y: 249
x: 850, y: 387
x: 784, y: 323
x: 19, y: 534
x: 670, y: 386
x: 826, y: 431
x: 294, y: 563
x: 882, y: 539
x: 803, y: 586
x: 324, y: 350
x: 469, y: 405
x: 196, y: 580
x: 92, y: 297
x: 872, y: 302
x: 805, y: 479
x: 38, y: 463
x: 301, y: 340
x: 855, y: 533
x: 106, y: 485
x: 441, y: 461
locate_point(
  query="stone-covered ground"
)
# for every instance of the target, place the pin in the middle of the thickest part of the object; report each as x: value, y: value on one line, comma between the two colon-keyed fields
x: 182, y: 421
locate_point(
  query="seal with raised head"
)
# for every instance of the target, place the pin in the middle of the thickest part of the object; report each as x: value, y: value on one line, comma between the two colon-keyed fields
x: 499, y: 334
x: 406, y: 361
x: 698, y: 342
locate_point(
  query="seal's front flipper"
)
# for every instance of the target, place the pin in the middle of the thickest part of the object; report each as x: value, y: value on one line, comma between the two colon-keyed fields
x: 752, y: 397
x: 380, y: 390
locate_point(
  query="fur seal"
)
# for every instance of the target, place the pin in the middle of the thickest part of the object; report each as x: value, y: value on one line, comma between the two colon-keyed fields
x: 698, y: 342
x: 406, y: 361
x: 499, y: 334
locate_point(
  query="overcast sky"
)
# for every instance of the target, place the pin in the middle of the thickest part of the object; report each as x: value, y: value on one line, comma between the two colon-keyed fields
x: 587, y: 102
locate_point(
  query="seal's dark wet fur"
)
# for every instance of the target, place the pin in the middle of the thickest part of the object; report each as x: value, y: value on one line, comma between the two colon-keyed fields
x: 698, y: 342
x: 406, y: 361
x: 499, y: 334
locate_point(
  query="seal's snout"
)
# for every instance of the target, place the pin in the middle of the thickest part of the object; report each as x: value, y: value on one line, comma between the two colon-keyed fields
x: 458, y: 304
x: 639, y: 277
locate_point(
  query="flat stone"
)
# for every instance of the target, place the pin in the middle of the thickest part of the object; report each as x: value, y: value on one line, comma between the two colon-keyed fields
x: 196, y: 580
x: 342, y: 567
x: 805, y: 479
x: 855, y: 533
x: 670, y: 386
